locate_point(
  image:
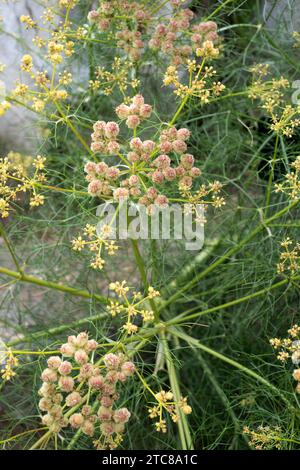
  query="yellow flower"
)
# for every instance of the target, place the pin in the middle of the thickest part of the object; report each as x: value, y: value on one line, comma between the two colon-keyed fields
x: 26, y: 63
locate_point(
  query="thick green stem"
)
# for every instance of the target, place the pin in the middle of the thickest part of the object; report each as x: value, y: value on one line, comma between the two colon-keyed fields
x: 53, y: 285
x: 184, y: 431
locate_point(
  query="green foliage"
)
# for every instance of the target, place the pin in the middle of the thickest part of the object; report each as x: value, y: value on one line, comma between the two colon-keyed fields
x: 232, y: 142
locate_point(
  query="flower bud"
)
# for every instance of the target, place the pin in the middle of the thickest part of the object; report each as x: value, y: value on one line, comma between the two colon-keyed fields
x: 81, y: 340
x: 45, y: 404
x: 104, y: 413
x: 145, y: 111
x: 111, y: 130
x: 161, y: 201
x: 47, y: 419
x: 81, y: 356
x: 183, y: 134
x: 112, y: 361
x: 106, y: 401
x: 67, y: 350
x: 97, y: 147
x: 49, y: 376
x: 195, y: 172
x: 96, y: 382
x: 169, y: 174
x: 162, y: 161
x: 138, y: 100
x: 179, y: 146
x: 296, y: 374
x: 65, y: 368
x: 157, y: 177
x: 90, y: 167
x: 73, y: 399
x: 165, y: 147
x: 113, y: 147
x: 187, y: 160
x: 99, y: 127
x: 54, y: 362
x: 121, y: 416
x: 94, y: 188
x: 120, y: 193
x: 86, y: 410
x: 128, y: 368
x: 122, y: 111
x: 93, y: 16
x: 152, y: 193
x: 133, y: 121
x: 66, y: 383
x: 185, y: 182
x: 148, y: 146
x: 107, y: 428
x: 88, y: 428
x: 76, y: 420
x: 136, y: 144
x: 133, y: 180
x: 92, y: 344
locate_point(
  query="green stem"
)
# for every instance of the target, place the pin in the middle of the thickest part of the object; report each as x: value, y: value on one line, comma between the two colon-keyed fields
x: 271, y: 176
x: 184, y: 432
x: 10, y: 248
x: 140, y: 263
x: 219, y: 390
x: 53, y: 285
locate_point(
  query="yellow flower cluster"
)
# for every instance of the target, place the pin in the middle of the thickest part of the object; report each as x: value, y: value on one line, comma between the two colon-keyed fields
x: 200, y: 83
x: 270, y: 92
x: 131, y: 307
x: 21, y: 161
x: 289, y: 348
x: 69, y: 4
x: 28, y: 21
x: 194, y: 199
x: 10, y: 362
x: 296, y: 37
x: 289, y: 257
x: 119, y: 76
x: 57, y: 46
x: 165, y: 403
x: 96, y: 243
x: 291, y: 185
x: 14, y: 179
x: 265, y: 437
x: 4, y: 106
